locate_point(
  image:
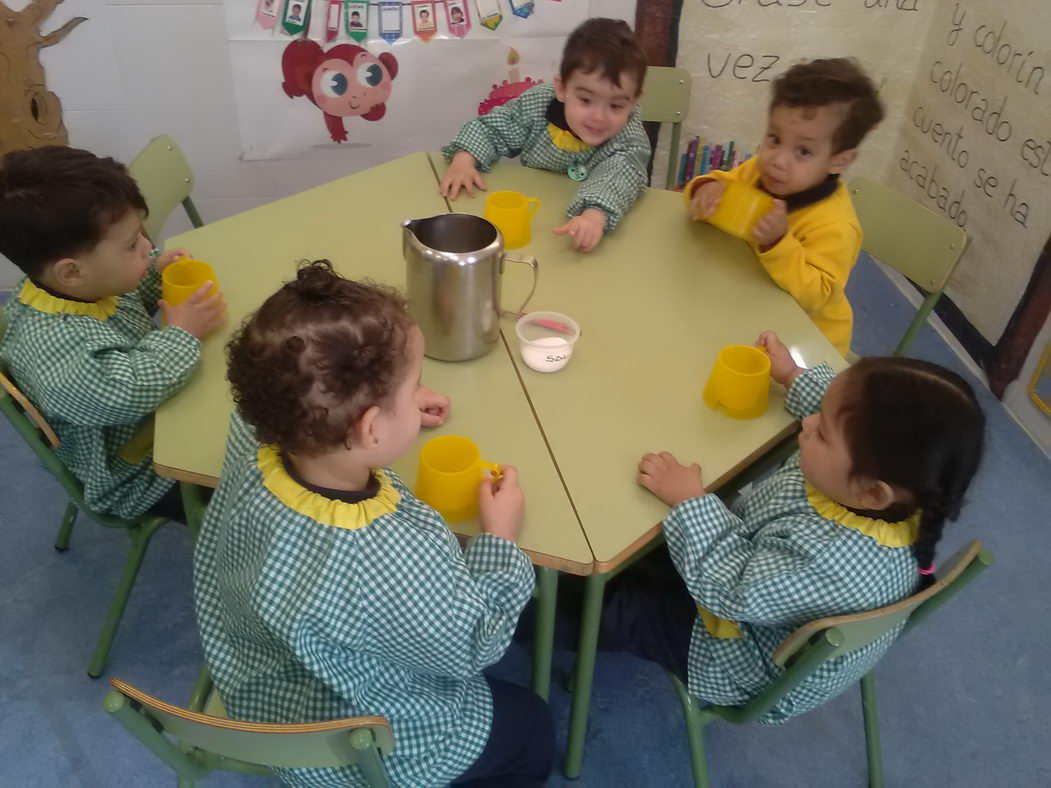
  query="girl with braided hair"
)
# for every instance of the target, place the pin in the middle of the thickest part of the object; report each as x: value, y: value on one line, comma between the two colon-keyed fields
x: 324, y: 589
x: 849, y: 523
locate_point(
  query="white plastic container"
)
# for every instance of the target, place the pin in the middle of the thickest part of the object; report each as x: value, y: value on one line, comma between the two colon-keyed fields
x: 546, y: 340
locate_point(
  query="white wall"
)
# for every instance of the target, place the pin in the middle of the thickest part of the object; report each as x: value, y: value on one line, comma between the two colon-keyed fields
x: 139, y: 68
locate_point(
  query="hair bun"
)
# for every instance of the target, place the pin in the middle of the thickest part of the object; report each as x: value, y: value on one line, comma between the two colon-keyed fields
x: 317, y: 281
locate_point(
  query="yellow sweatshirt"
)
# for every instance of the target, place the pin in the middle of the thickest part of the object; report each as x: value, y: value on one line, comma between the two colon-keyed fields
x: 813, y: 260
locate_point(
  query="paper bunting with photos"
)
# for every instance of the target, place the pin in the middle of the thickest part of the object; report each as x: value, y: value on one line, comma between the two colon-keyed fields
x: 489, y: 13
x: 352, y: 19
x: 266, y: 14
x: 424, y: 19
x: 356, y: 19
x: 521, y: 8
x: 296, y: 16
x: 332, y: 15
x: 458, y: 17
x: 390, y: 20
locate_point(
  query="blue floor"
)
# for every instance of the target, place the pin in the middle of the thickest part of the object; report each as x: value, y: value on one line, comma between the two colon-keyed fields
x: 962, y: 702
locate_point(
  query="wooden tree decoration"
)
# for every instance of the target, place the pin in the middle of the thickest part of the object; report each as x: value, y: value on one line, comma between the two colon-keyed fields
x: 30, y: 114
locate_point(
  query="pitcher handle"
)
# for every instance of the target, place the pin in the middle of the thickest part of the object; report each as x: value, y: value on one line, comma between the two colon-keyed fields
x: 524, y: 259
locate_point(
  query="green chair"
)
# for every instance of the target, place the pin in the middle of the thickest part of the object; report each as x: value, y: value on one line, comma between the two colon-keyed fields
x: 808, y: 647
x: 922, y: 245
x: 41, y: 438
x: 165, y: 180
x: 666, y: 99
x: 195, y: 744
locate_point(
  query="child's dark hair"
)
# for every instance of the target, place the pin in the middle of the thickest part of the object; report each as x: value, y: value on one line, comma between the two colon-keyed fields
x: 838, y: 80
x: 58, y: 202
x: 316, y: 355
x: 916, y: 426
x: 605, y: 45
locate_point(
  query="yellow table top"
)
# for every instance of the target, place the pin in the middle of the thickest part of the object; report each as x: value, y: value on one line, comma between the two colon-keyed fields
x: 655, y: 302
x: 355, y: 222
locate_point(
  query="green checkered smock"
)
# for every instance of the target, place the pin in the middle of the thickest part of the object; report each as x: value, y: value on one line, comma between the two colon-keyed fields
x: 304, y: 621
x: 616, y: 169
x: 97, y: 372
x: 773, y: 563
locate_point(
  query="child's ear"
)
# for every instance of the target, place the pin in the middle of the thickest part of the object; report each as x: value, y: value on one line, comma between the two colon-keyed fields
x: 560, y: 89
x: 364, y: 433
x: 67, y: 272
x: 876, y: 495
x: 839, y: 163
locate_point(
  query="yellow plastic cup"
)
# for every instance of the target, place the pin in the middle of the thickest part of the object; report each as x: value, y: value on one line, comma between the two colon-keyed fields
x: 512, y: 213
x: 184, y: 277
x: 451, y: 468
x: 740, y: 208
x: 740, y: 382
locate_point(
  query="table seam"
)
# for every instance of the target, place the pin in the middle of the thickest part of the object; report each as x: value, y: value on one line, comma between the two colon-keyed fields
x: 547, y: 445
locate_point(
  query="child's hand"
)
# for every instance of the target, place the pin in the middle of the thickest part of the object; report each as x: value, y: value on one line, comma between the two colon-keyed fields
x: 200, y: 314
x: 705, y: 199
x: 585, y: 229
x: 783, y: 368
x: 670, y: 480
x: 771, y: 226
x: 169, y: 257
x: 500, y: 504
x: 434, y: 407
x: 462, y: 174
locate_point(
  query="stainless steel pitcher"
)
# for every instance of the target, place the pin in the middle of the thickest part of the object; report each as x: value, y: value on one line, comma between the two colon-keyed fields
x: 453, y: 265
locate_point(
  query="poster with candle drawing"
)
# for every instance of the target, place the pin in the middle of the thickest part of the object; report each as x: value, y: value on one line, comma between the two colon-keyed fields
x: 342, y: 93
x: 976, y: 146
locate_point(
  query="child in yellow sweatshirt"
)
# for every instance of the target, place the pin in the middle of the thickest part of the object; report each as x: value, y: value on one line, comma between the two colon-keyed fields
x: 810, y: 239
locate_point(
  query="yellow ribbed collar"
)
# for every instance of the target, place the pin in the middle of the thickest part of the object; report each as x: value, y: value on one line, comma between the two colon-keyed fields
x: 566, y: 140
x: 43, y: 301
x: 721, y: 628
x: 900, y: 534
x: 317, y: 507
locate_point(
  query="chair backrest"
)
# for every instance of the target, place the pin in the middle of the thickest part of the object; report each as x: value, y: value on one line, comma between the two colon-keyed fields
x: 21, y: 408
x: 666, y: 99
x: 855, y: 631
x: 316, y: 744
x: 921, y: 244
x: 803, y: 652
x: 165, y: 180
x: 30, y: 423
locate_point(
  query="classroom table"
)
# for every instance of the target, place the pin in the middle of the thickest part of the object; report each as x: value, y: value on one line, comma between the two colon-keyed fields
x: 355, y: 222
x: 655, y: 301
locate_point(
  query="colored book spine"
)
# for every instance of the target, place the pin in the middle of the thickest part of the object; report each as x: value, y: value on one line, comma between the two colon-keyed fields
x: 691, y: 158
x: 706, y: 159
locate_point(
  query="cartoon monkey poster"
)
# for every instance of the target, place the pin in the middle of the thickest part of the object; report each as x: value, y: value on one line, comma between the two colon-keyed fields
x: 344, y: 82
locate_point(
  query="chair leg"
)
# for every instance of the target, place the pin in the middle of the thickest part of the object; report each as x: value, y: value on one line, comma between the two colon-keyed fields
x: 140, y: 537
x: 194, y: 503
x: 694, y: 733
x: 868, y: 704
x: 70, y: 517
x: 917, y: 323
x: 369, y: 760
x: 202, y: 688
